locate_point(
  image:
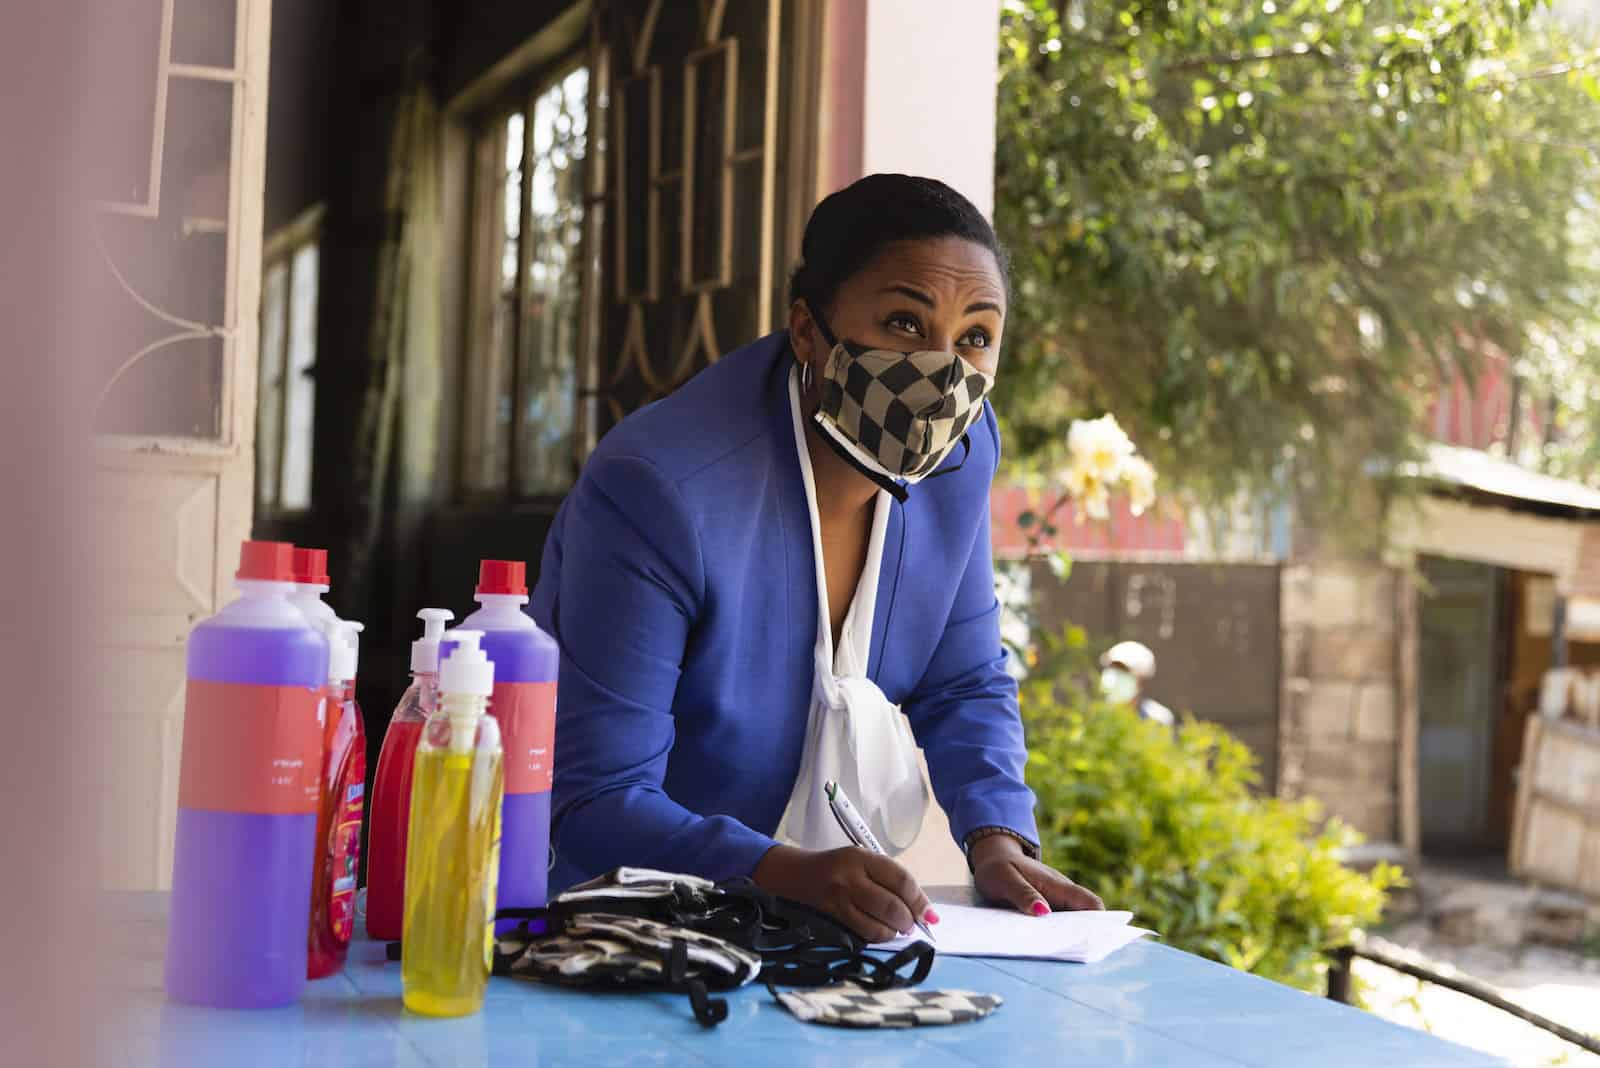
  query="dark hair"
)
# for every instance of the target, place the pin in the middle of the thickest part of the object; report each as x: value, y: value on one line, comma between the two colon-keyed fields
x: 852, y: 226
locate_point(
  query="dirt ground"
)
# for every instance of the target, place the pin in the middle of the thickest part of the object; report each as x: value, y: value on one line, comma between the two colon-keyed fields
x: 1560, y: 984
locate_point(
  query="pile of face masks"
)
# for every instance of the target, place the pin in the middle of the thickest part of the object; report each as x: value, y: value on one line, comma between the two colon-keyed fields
x: 647, y: 930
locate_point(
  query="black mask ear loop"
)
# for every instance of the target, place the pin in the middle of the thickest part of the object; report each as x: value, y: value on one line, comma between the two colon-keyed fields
x: 893, y: 488
x: 966, y: 451
x: 808, y: 370
x: 822, y: 327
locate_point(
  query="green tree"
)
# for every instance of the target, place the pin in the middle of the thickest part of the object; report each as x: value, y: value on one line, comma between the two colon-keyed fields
x: 1560, y: 379
x: 1260, y: 231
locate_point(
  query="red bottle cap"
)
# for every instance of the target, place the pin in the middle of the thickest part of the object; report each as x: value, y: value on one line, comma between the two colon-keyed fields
x: 311, y: 566
x: 502, y: 577
x: 266, y: 561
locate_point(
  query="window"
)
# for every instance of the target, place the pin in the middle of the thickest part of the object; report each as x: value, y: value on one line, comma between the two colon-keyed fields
x: 519, y: 410
x: 287, y: 395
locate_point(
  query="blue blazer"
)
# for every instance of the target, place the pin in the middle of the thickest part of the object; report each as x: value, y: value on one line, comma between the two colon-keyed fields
x: 680, y: 582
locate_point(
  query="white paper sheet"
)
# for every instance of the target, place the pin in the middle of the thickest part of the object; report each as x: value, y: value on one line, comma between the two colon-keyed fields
x: 1085, y: 937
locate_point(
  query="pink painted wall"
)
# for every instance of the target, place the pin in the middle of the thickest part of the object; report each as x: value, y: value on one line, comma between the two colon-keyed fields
x: 844, y: 65
x: 1122, y: 533
x: 1478, y: 414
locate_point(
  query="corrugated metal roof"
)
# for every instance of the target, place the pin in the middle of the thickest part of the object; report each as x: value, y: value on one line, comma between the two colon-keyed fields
x: 1478, y: 470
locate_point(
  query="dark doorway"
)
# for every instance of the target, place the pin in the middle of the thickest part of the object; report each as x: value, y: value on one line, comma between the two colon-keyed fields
x: 1462, y: 665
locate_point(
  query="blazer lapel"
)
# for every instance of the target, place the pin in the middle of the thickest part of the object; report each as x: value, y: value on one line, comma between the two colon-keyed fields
x: 800, y: 577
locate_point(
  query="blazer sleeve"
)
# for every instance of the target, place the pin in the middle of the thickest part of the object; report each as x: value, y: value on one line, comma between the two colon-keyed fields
x: 964, y: 709
x: 632, y: 582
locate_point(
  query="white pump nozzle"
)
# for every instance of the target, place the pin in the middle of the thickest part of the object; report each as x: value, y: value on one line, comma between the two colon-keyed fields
x: 466, y: 679
x: 342, y: 648
x: 425, y: 650
x: 468, y: 669
x: 355, y: 646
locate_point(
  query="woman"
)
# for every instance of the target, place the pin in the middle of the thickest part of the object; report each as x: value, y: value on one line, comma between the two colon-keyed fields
x: 825, y: 488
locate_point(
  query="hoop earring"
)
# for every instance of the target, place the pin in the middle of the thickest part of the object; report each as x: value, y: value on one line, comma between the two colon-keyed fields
x: 805, y: 377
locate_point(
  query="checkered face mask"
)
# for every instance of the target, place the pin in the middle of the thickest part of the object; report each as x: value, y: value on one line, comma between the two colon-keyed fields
x: 897, y: 415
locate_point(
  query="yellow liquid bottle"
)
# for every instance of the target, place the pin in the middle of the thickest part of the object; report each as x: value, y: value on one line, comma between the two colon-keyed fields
x: 453, y: 842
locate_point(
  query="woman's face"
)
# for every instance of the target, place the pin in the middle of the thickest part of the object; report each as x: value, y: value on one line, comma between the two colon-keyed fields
x: 942, y: 294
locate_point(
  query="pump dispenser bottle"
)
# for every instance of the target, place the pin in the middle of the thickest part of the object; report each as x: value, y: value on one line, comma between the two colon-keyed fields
x: 453, y: 844
x: 391, y: 787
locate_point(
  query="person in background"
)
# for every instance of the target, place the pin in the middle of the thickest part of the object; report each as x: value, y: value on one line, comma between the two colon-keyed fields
x: 1126, y: 669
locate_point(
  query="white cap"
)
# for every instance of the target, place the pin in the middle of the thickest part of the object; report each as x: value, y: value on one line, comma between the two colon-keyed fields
x: 342, y: 648
x: 1135, y: 656
x: 425, y: 650
x: 467, y: 670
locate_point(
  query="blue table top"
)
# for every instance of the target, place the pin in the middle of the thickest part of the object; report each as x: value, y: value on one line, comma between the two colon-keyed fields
x: 1147, y: 1005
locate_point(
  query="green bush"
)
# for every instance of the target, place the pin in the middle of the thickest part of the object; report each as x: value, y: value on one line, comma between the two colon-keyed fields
x: 1165, y: 824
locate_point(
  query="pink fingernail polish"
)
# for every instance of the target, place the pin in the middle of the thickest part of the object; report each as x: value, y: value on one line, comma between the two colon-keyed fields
x: 1040, y: 908
x: 930, y: 917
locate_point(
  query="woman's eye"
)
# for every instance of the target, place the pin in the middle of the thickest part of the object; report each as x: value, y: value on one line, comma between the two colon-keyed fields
x: 906, y: 323
x: 977, y: 339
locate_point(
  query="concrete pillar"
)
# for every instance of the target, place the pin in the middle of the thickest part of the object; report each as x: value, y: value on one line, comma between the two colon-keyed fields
x: 909, y: 86
x: 1341, y: 727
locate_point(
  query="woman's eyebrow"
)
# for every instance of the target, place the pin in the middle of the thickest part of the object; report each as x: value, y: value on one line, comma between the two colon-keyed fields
x: 915, y: 294
x: 984, y: 305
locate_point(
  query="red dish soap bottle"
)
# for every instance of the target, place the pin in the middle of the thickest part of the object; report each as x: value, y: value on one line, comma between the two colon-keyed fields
x: 391, y: 787
x: 344, y: 783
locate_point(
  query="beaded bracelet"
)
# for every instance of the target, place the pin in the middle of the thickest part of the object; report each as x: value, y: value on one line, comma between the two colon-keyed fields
x: 1029, y: 850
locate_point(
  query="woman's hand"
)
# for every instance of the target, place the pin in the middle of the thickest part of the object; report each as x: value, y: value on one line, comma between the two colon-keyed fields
x: 870, y: 894
x: 1007, y: 875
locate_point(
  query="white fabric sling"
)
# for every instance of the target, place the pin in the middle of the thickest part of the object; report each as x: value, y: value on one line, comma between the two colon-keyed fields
x: 854, y: 736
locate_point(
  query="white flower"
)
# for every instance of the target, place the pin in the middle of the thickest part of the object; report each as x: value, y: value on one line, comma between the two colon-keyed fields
x: 1102, y: 458
x: 1082, y: 480
x: 1140, y: 479
x: 1100, y: 445
x: 1089, y: 491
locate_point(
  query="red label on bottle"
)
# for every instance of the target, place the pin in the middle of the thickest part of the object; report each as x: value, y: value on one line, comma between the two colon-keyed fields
x: 345, y: 847
x: 527, y: 715
x: 250, y: 748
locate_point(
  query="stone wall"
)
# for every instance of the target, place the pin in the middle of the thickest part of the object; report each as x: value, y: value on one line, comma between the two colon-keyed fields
x: 1341, y: 704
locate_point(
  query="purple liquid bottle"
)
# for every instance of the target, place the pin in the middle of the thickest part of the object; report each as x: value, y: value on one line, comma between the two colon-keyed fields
x: 247, y: 795
x: 526, y: 661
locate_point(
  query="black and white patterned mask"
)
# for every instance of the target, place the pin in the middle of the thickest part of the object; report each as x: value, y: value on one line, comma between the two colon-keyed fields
x: 636, y: 928
x: 848, y: 1005
x: 896, y: 415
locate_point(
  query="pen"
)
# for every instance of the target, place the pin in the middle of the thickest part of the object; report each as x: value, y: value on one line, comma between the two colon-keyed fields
x: 855, y: 828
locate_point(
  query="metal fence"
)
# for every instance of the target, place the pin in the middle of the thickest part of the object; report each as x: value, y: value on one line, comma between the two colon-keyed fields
x: 1341, y: 985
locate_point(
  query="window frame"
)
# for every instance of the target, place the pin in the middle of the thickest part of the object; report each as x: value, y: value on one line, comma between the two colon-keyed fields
x: 283, y: 248
x: 488, y: 118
